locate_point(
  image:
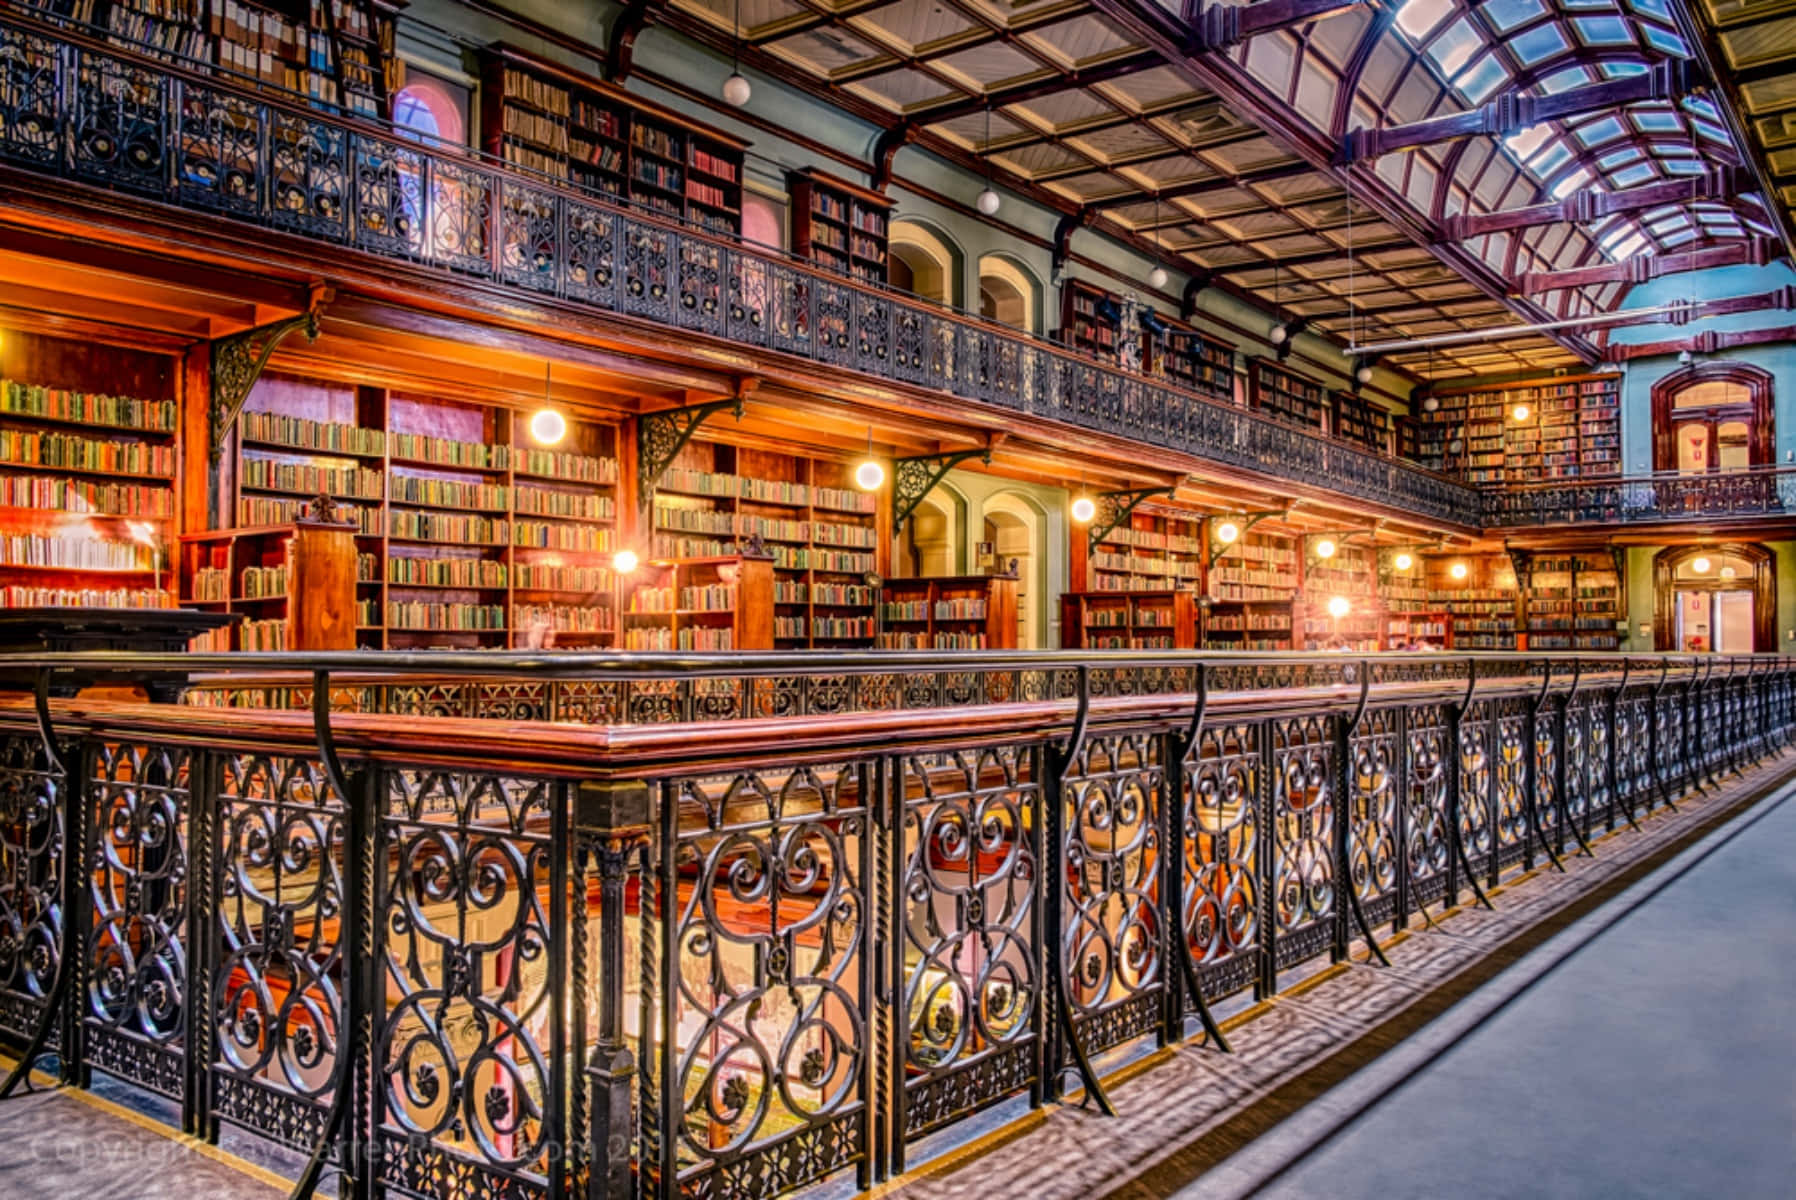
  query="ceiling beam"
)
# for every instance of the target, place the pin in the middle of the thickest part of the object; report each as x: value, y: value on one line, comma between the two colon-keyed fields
x: 1512, y: 111
x: 1709, y: 341
x: 1205, y: 187
x: 1755, y: 252
x: 1035, y: 89
x: 1331, y: 254
x: 1589, y: 204
x: 1219, y: 26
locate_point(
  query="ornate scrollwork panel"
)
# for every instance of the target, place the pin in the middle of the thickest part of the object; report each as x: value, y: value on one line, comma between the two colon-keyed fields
x: 1374, y: 855
x: 589, y: 272
x: 308, y: 176
x: 1427, y: 836
x: 835, y: 322
x: 218, y: 151
x: 462, y: 1053
x: 531, y: 249
x: 750, y: 298
x: 1476, y: 820
x: 1222, y: 909
x: 1511, y: 767
x: 770, y: 978
x: 117, y: 129
x: 649, y: 270
x: 389, y: 198
x: 277, y: 1000
x: 701, y: 287
x: 1303, y: 822
x: 31, y: 881
x: 136, y: 961
x: 969, y: 887
x: 30, y: 98
x: 460, y: 207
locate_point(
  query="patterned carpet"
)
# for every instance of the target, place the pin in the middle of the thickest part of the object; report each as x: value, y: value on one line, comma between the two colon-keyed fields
x: 1192, y: 1107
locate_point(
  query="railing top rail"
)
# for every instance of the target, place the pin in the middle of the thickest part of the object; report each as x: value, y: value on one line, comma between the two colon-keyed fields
x: 1757, y: 471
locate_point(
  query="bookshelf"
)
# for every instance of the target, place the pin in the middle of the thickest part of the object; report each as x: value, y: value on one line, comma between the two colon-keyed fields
x: 571, y: 127
x: 88, y: 463
x: 292, y: 587
x: 1573, y: 602
x: 1362, y: 423
x: 1152, y: 553
x: 1252, y: 593
x: 1134, y: 620
x: 468, y: 534
x: 1287, y: 396
x: 1483, y: 605
x: 1350, y: 574
x: 840, y: 226
x: 701, y: 604
x: 1250, y: 625
x: 1193, y: 360
x: 1431, y: 627
x: 968, y: 612
x: 1085, y: 324
x: 822, y: 532
x: 1572, y: 431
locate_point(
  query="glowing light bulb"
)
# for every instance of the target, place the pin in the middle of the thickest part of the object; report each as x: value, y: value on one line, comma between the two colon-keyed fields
x: 869, y: 475
x: 1520, y: 412
x: 1339, y: 606
x: 1084, y: 509
x: 1277, y: 333
x: 1728, y: 572
x: 988, y: 202
x: 1227, y: 532
x: 1325, y: 548
x: 1457, y: 570
x: 1364, y: 374
x: 624, y: 561
x: 736, y: 90
x: 1157, y: 277
x: 1430, y: 404
x: 547, y: 427
x: 1405, y: 562
x: 1700, y: 564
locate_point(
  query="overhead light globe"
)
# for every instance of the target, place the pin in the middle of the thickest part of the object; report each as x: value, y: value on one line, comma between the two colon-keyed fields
x: 1084, y: 509
x: 1325, y: 548
x: 1364, y: 374
x: 547, y: 427
x: 736, y: 90
x: 869, y: 475
x: 1405, y: 561
x: 1430, y: 404
x: 1339, y: 606
x: 1278, y: 333
x: 1728, y: 572
x: 1227, y: 532
x: 1157, y: 277
x: 1457, y: 570
x: 988, y: 201
x: 625, y: 561
x: 1684, y: 357
x: 1700, y: 564
x: 1520, y: 412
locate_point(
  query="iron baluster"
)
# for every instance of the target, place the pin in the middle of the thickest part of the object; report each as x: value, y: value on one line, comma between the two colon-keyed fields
x: 1455, y: 717
x: 1531, y: 772
x: 1561, y: 767
x: 1344, y: 774
x: 1185, y: 746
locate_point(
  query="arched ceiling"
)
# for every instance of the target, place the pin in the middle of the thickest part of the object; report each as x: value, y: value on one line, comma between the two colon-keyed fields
x: 1234, y: 157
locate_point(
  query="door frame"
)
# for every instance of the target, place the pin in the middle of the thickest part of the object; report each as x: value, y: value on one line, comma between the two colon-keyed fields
x: 1762, y: 585
x: 1757, y: 410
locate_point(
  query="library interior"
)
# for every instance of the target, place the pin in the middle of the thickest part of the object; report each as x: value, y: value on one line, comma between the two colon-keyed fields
x: 543, y: 380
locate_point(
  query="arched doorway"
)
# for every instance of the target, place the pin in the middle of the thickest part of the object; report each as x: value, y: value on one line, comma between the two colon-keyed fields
x: 1712, y: 417
x: 1014, y: 525
x: 929, y: 544
x: 1715, y: 598
x: 922, y: 261
x: 1008, y: 294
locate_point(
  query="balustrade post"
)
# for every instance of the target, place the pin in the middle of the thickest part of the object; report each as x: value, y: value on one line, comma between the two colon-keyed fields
x: 611, y: 825
x: 1451, y: 782
x: 1612, y: 747
x: 1267, y: 983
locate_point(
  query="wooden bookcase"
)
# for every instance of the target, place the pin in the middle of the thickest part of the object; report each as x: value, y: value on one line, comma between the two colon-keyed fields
x: 1193, y: 360
x: 88, y: 461
x: 966, y: 612
x: 470, y: 536
x: 1572, y: 431
x: 1083, y: 328
x: 1152, y: 552
x: 1352, y: 575
x: 1484, y: 605
x: 1256, y: 567
x: 1284, y: 394
x: 1573, y: 602
x: 547, y: 118
x: 1250, y: 625
x: 840, y: 226
x: 701, y: 605
x: 293, y: 586
x: 1433, y: 627
x: 824, y: 534
x: 1362, y: 423
x: 1138, y: 620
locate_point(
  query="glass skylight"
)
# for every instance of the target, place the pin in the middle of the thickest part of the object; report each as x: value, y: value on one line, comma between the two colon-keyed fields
x: 1603, y: 31
x: 1455, y: 46
x: 1542, y: 41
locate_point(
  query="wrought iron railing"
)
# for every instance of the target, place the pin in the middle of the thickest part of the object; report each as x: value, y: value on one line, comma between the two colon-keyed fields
x: 457, y: 958
x: 1660, y: 497
x: 81, y: 109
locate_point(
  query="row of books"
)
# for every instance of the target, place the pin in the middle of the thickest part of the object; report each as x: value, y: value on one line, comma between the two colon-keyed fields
x: 446, y: 572
x: 260, y: 583
x: 840, y: 561
x: 83, y: 496
x: 449, y: 493
x: 209, y: 585
x: 447, y: 452
x: 275, y: 475
x: 768, y: 491
x: 563, y: 619
x: 932, y: 641
x: 544, y: 535
x: 303, y: 434
x: 83, y: 553
x: 447, y: 527
x: 408, y: 614
x: 275, y: 510
x: 690, y: 637
x: 548, y: 577
x: 73, y: 452
x: 89, y: 408
x: 580, y: 506
x: 564, y: 466
x: 20, y: 596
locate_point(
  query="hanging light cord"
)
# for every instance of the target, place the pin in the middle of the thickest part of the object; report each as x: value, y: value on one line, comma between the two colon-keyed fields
x: 736, y: 41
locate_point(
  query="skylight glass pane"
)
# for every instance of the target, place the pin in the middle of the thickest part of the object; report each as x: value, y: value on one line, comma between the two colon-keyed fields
x: 1713, y: 132
x: 1603, y: 31
x: 1597, y: 132
x: 1661, y: 228
x: 1619, y: 70
x: 1549, y: 160
x: 1652, y: 8
x: 1680, y: 237
x: 1628, y: 247
x: 1417, y: 17
x: 1543, y: 41
x: 1615, y: 158
x: 1482, y: 78
x: 1570, y: 183
x: 1660, y: 39
x: 1505, y: 15
x: 1698, y: 105
x: 1656, y: 121
x: 1455, y: 46
x: 1528, y: 140
x: 1629, y: 176
x: 1570, y: 77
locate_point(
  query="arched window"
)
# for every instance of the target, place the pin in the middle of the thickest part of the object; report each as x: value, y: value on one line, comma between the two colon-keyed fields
x: 1712, y: 417
x: 433, y: 108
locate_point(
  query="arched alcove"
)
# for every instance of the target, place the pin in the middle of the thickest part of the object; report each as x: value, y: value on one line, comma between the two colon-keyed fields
x: 1009, y: 293
x: 924, y: 261
x: 1016, y: 526
x: 1725, y: 592
x: 930, y: 543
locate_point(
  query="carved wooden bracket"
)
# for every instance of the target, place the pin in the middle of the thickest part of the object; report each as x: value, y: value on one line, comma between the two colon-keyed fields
x: 914, y: 478
x: 660, y: 436
x: 238, y: 360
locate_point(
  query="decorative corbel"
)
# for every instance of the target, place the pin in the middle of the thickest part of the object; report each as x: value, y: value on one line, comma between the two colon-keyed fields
x: 915, y: 477
x: 620, y: 51
x: 660, y: 436
x: 1114, y: 508
x: 238, y: 360
x: 1523, y: 563
x: 885, y: 150
x: 1063, y: 236
x: 1195, y: 283
x: 1247, y: 522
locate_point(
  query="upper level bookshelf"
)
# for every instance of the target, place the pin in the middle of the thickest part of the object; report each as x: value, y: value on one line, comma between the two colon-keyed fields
x: 1567, y: 427
x: 1153, y: 551
x: 1283, y: 393
x: 1090, y: 320
x: 840, y: 226
x: 1193, y: 360
x: 1573, y: 602
x: 1362, y: 423
x: 968, y: 612
x: 547, y: 118
x: 1164, y: 619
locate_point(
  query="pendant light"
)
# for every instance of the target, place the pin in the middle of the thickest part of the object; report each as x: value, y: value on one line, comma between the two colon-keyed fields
x: 869, y: 474
x: 1084, y: 507
x: 735, y: 89
x: 1157, y: 277
x: 547, y: 426
x: 988, y: 198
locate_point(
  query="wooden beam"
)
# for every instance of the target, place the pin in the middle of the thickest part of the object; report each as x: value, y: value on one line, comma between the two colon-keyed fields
x: 1590, y: 204
x: 1642, y: 267
x: 1511, y: 112
x: 1204, y: 187
x: 1034, y: 89
x: 1219, y: 26
x: 1709, y: 341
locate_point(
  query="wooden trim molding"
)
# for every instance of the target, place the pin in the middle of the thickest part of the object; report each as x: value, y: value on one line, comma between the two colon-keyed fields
x: 1758, y: 410
x: 1763, y: 585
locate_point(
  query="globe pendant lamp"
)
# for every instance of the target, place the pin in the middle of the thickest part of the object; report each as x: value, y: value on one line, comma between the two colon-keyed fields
x: 988, y: 197
x: 735, y: 89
